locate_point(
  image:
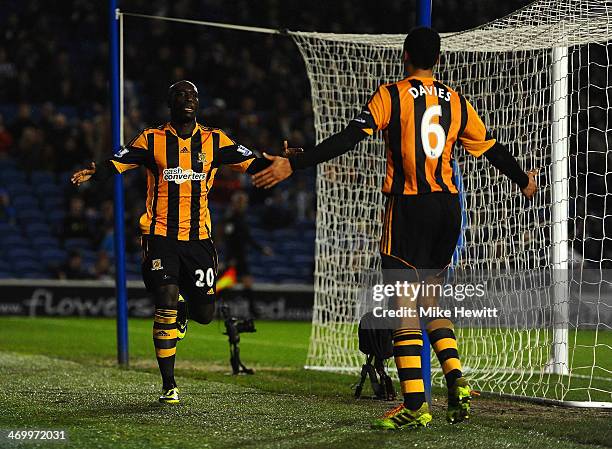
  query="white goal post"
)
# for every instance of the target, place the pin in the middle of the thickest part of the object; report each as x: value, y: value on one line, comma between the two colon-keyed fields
x: 540, y: 80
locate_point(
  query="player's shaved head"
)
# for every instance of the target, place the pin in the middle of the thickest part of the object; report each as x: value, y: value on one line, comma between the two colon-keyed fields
x: 422, y: 47
x: 181, y: 84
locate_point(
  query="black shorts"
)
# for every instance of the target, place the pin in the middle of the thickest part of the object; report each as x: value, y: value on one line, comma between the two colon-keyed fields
x: 191, y: 264
x: 420, y: 231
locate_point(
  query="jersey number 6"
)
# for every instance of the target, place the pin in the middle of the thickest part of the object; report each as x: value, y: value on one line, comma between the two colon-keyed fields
x: 427, y: 128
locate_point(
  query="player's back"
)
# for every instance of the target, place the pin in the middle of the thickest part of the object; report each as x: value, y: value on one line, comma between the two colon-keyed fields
x: 422, y: 119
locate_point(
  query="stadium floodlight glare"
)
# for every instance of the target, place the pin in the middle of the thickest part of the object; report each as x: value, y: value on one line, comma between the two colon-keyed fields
x: 539, y: 79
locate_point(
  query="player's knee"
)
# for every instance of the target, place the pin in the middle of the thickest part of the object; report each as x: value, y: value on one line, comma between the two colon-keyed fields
x: 166, y: 297
x: 203, y: 319
x: 202, y: 314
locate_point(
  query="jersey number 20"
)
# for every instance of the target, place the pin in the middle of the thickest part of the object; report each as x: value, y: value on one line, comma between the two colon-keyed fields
x: 427, y: 128
x: 209, y: 275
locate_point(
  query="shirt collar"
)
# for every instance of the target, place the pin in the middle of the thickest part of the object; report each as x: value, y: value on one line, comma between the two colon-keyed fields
x: 173, y: 131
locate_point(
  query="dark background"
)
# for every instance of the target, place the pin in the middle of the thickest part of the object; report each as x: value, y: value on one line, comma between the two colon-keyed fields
x: 54, y: 117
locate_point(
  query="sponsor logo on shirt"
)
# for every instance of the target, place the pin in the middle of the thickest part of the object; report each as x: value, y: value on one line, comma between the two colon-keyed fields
x: 179, y: 176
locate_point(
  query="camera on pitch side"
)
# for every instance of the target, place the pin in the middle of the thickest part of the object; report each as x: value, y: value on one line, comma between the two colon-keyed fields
x: 233, y: 328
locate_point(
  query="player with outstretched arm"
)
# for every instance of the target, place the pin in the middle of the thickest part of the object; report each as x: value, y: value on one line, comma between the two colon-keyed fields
x: 421, y: 120
x: 181, y: 158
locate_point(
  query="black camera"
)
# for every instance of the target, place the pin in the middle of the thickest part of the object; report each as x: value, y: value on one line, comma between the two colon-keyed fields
x: 247, y: 325
x: 233, y: 328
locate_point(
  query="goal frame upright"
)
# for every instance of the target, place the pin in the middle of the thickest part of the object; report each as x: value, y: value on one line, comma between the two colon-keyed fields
x: 560, y: 211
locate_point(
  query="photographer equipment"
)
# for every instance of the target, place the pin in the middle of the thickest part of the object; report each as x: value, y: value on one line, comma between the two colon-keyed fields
x: 233, y: 328
x: 377, y: 345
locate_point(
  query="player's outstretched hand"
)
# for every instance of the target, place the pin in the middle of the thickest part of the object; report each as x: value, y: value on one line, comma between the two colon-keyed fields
x: 530, y: 190
x: 84, y: 175
x: 279, y: 170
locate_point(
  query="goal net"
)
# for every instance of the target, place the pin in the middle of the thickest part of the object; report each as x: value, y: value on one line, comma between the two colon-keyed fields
x: 540, y: 80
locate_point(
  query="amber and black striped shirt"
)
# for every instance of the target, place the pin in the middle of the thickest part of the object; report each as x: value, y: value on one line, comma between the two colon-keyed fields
x: 180, y: 173
x: 422, y: 119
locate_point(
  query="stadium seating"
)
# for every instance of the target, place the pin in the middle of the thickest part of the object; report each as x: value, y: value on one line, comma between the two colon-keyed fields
x: 33, y: 246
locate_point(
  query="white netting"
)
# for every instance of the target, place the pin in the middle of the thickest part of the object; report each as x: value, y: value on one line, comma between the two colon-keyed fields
x: 539, y: 78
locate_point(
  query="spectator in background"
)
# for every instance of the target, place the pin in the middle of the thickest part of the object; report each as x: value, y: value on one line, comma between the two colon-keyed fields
x: 277, y: 213
x: 22, y: 121
x: 133, y: 123
x: 6, y: 139
x: 75, y: 223
x: 103, y: 268
x: 226, y: 182
x: 58, y: 131
x: 303, y: 199
x: 104, y: 220
x: 73, y: 268
x: 249, y: 121
x: 7, y: 212
x: 87, y: 136
x: 30, y: 147
x: 46, y: 118
x: 107, y: 244
x: 8, y: 74
x: 64, y: 139
x: 237, y: 237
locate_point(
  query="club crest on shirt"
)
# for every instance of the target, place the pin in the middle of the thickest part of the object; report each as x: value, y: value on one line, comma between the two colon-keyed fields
x: 156, y: 265
x: 202, y: 158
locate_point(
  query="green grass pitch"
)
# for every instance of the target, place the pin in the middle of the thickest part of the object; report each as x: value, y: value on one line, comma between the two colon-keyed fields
x: 60, y: 373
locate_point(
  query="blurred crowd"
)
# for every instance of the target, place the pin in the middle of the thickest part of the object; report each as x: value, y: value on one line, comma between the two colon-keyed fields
x: 54, y: 92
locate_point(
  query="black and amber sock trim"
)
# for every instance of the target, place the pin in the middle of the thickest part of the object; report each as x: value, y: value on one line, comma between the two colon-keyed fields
x: 164, y: 340
x: 442, y: 338
x: 407, y: 345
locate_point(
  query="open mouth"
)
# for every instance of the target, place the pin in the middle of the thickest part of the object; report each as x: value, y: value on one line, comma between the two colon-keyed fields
x: 188, y: 109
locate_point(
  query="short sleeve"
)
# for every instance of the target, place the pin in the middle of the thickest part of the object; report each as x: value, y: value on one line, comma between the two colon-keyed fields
x: 235, y: 156
x: 224, y: 140
x: 132, y: 155
x: 140, y: 141
x: 475, y: 137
